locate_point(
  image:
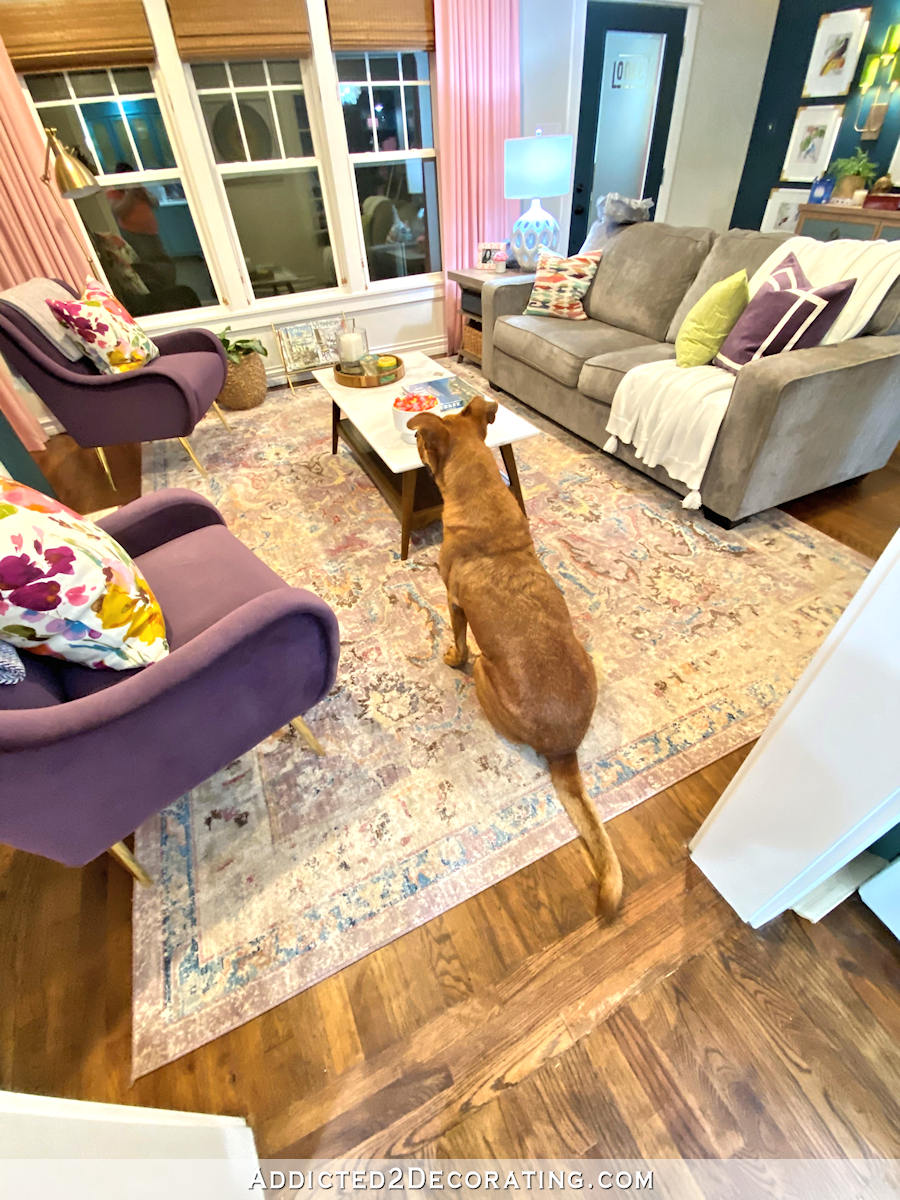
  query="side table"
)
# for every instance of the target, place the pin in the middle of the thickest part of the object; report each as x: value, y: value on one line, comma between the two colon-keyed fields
x: 470, y: 283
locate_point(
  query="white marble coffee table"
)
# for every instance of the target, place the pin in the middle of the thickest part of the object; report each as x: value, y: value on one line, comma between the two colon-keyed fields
x: 367, y: 427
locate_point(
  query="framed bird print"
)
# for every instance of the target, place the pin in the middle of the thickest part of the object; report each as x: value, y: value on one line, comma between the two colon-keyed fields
x: 835, y: 53
x: 812, y: 141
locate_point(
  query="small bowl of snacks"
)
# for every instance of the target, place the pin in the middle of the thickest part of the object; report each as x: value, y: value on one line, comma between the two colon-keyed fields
x: 409, y: 405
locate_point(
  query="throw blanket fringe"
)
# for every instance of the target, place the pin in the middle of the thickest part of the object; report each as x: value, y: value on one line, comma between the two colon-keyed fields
x: 611, y: 445
x: 692, y: 500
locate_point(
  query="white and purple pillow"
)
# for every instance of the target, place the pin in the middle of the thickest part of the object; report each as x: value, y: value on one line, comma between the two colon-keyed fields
x: 787, y: 313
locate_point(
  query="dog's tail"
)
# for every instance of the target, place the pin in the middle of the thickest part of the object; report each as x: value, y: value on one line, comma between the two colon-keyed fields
x: 569, y: 786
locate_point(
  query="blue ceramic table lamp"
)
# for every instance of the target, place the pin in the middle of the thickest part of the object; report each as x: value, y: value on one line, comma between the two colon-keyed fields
x: 536, y: 167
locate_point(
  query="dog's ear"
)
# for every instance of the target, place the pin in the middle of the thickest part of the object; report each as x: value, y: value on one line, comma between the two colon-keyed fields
x: 433, y: 439
x: 481, y: 411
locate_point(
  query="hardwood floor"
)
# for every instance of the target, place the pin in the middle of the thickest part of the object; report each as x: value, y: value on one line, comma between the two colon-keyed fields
x: 514, y: 1024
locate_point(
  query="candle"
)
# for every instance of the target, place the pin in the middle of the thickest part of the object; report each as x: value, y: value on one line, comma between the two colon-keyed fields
x: 351, y: 346
x: 859, y: 195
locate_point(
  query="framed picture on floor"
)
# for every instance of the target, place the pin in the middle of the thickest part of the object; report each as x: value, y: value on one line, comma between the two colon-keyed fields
x: 783, y: 209
x: 306, y: 345
x: 812, y: 141
x: 835, y: 53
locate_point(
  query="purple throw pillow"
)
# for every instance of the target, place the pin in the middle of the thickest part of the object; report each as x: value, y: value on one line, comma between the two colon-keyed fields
x: 780, y: 318
x: 788, y: 274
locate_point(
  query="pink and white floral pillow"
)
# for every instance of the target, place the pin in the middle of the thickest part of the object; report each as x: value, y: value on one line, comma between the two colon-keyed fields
x: 111, y: 337
x: 69, y: 590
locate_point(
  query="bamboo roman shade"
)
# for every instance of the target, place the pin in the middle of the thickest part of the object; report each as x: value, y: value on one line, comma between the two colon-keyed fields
x: 389, y: 25
x: 220, y: 29
x: 52, y: 35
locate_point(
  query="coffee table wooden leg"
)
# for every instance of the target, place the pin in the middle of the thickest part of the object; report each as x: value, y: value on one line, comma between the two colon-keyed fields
x: 509, y: 461
x: 335, y: 419
x: 407, y: 496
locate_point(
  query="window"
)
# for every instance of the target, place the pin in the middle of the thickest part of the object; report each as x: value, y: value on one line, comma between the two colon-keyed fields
x: 386, y: 102
x: 259, y: 133
x: 141, y: 224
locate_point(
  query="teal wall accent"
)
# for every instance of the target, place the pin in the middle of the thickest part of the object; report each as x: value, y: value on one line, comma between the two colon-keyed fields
x: 18, y: 462
x: 781, y: 96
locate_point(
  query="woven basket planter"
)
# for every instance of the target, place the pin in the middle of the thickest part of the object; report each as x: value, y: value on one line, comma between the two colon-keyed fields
x: 245, y: 383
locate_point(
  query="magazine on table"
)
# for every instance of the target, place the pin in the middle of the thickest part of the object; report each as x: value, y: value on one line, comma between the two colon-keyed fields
x: 453, y: 393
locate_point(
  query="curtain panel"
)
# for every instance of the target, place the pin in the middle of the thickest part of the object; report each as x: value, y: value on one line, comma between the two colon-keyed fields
x: 232, y: 29
x: 397, y: 25
x: 478, y: 107
x: 35, y: 238
x: 55, y: 35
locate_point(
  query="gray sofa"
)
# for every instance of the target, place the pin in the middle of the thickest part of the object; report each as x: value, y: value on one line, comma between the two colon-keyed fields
x: 796, y: 422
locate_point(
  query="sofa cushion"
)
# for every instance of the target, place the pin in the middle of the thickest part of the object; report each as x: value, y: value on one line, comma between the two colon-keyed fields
x: 731, y: 251
x: 887, y: 316
x: 559, y: 348
x: 643, y: 276
x: 601, y: 375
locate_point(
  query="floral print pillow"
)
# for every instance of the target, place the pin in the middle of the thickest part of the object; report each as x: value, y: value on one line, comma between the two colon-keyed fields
x: 111, y: 337
x: 69, y: 590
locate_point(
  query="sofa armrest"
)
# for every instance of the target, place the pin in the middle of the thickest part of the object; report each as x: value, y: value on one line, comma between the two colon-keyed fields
x: 804, y: 420
x: 500, y: 298
x: 158, y: 518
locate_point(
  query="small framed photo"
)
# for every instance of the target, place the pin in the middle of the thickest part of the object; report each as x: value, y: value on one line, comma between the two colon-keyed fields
x: 783, y: 209
x: 812, y: 141
x: 835, y: 53
x: 486, y: 252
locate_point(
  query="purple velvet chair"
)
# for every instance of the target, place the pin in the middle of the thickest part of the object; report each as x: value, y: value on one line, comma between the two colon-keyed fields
x: 86, y: 756
x: 165, y: 399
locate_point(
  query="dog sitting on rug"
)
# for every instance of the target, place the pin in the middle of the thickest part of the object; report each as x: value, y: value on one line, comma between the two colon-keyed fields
x: 534, y: 679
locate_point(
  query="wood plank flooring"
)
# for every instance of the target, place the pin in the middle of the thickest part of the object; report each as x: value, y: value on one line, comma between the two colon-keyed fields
x: 514, y: 1024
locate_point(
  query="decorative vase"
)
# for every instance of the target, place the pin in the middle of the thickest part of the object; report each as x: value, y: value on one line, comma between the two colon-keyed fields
x: 845, y: 187
x: 245, y: 383
x: 534, y: 230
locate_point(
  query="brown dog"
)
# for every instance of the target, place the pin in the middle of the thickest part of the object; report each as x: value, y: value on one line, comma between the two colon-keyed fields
x: 534, y: 679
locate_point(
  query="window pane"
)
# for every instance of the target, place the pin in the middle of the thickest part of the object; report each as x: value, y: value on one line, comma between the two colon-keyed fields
x: 285, y: 70
x: 90, y: 83
x: 149, y: 133
x: 259, y: 130
x: 418, y: 117
x: 351, y: 67
x: 107, y: 130
x: 47, y: 87
x: 280, y: 220
x: 210, y: 75
x: 132, y: 80
x: 148, y: 246
x: 415, y: 66
x: 388, y: 118
x: 248, y: 74
x: 357, y: 118
x: 294, y: 121
x: 224, y: 131
x: 64, y: 119
x: 399, y: 210
x: 384, y: 66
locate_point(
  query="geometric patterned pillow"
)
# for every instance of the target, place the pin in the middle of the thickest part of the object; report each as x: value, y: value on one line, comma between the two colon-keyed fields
x: 561, y: 283
x: 112, y: 338
x: 69, y: 590
x: 12, y: 669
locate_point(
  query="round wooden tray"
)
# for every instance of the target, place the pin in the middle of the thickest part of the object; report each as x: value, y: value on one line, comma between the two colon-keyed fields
x: 368, y: 381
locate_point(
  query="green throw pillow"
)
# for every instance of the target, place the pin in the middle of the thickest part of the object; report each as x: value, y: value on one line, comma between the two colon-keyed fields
x: 711, y: 320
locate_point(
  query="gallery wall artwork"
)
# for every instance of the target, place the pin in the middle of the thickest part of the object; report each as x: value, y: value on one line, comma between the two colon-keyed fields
x: 783, y: 209
x: 835, y: 52
x: 812, y: 141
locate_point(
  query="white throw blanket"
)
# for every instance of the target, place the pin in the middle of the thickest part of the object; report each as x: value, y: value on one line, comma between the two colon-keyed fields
x: 671, y: 414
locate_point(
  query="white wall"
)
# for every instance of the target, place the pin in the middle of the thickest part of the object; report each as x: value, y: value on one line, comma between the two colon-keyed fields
x: 726, y: 69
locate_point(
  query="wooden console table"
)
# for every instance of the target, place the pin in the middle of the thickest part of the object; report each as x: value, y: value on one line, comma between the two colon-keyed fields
x: 828, y: 222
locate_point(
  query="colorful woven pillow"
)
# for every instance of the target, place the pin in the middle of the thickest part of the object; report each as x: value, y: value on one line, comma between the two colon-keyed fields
x: 786, y: 313
x: 710, y: 321
x: 111, y: 337
x: 12, y: 669
x: 68, y: 590
x: 561, y: 283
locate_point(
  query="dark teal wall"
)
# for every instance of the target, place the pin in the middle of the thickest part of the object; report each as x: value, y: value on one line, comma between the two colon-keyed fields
x: 792, y: 40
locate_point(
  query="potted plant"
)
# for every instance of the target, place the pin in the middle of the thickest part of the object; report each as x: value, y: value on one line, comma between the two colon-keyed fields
x: 245, y: 383
x: 851, y: 174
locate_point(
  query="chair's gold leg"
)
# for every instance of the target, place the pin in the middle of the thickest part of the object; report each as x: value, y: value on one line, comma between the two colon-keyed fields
x: 101, y: 454
x: 308, y: 736
x: 123, y: 855
x: 194, y: 459
x: 220, y: 415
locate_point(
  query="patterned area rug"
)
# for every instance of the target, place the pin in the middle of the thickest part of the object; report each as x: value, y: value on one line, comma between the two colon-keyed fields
x: 284, y: 868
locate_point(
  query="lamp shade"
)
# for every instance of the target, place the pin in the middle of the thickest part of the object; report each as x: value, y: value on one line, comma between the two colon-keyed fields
x: 537, y: 166
x: 73, y: 178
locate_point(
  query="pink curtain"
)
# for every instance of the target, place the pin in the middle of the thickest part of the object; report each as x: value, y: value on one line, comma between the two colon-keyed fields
x: 35, y: 238
x: 478, y: 107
